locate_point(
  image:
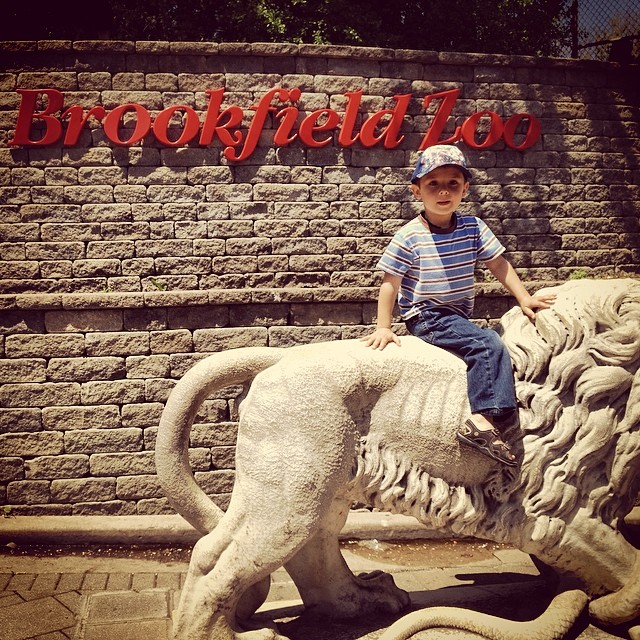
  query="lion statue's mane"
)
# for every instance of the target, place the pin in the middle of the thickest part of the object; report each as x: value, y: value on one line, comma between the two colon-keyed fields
x: 578, y: 389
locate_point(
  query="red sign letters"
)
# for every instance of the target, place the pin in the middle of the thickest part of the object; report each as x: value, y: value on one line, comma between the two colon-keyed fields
x: 316, y: 129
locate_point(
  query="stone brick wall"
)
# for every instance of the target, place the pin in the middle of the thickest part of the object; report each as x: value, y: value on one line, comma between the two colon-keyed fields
x: 122, y: 266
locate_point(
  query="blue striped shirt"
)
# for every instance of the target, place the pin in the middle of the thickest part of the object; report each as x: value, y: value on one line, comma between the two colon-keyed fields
x: 437, y: 269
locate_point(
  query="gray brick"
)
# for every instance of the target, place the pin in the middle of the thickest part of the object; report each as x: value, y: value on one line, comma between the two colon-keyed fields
x: 223, y: 457
x: 104, y: 508
x: 55, y: 250
x: 21, y: 322
x: 60, y: 466
x: 119, y: 391
x: 19, y: 269
x: 83, y: 320
x: 11, y: 469
x: 141, y: 415
x: 103, y: 440
x: 259, y: 314
x: 15, y: 420
x: 158, y: 390
x: 117, y: 344
x: 216, y: 410
x: 124, y: 230
x: 200, y: 459
x: 137, y: 487
x: 22, y: 370
x: 31, y: 444
x: 28, y: 492
x: 153, y: 507
x: 74, y: 418
x: 147, y: 319
x: 215, y: 481
x: 197, y: 317
x: 114, y: 249
x: 179, y: 340
x: 83, y: 490
x: 156, y: 366
x: 211, y: 435
x: 208, y: 340
x: 39, y: 395
x: 166, y: 266
x: 85, y: 369
x: 181, y: 362
x: 95, y: 268
x: 119, y: 464
x: 54, y: 345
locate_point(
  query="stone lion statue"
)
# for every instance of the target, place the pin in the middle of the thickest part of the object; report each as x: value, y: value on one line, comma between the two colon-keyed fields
x: 324, y: 425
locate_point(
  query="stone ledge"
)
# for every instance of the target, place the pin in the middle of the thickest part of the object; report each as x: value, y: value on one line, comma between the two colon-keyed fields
x: 375, y: 54
x: 148, y: 299
x: 173, y: 529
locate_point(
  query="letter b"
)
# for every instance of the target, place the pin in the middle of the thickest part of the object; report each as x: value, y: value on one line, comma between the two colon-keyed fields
x: 27, y: 114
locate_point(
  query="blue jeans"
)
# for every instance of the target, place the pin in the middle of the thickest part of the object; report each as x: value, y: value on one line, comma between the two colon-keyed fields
x: 490, y: 381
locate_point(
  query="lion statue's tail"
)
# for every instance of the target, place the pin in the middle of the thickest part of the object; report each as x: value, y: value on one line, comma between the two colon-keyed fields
x: 233, y: 367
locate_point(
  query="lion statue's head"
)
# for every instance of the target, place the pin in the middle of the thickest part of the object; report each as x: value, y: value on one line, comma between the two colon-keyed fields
x: 578, y: 386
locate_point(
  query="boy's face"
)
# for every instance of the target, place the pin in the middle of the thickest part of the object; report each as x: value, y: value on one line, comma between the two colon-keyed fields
x: 441, y: 191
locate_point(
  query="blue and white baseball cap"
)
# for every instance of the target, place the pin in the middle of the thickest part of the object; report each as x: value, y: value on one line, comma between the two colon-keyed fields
x: 440, y: 155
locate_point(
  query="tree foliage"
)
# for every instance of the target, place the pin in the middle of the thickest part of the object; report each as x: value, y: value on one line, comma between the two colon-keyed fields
x: 530, y: 27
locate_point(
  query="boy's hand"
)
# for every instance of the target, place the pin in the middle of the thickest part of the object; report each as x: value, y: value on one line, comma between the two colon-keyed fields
x: 380, y: 338
x: 530, y: 304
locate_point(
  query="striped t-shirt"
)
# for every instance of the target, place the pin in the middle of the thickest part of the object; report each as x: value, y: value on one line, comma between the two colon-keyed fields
x: 437, y: 269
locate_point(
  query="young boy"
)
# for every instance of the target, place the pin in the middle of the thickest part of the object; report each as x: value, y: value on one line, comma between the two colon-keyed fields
x: 429, y: 267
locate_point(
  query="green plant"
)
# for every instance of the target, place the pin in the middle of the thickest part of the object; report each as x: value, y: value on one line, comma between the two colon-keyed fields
x: 158, y: 284
x: 578, y: 274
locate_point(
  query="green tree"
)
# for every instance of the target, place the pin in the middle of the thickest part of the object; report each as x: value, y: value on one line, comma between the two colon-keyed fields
x: 533, y: 27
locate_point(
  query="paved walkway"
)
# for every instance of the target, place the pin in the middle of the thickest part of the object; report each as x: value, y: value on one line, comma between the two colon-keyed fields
x: 89, y: 598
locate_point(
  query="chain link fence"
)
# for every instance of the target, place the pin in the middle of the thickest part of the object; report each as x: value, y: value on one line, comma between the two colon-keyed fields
x: 606, y: 30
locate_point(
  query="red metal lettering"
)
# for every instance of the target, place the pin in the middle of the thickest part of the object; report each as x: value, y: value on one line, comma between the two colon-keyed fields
x: 77, y: 120
x: 470, y: 125
x: 214, y: 123
x: 287, y: 117
x: 310, y: 124
x: 389, y: 131
x: 531, y: 137
x: 440, y: 119
x: 258, y: 120
x: 111, y: 124
x: 520, y: 131
x: 163, y: 120
x: 27, y: 114
x: 346, y: 137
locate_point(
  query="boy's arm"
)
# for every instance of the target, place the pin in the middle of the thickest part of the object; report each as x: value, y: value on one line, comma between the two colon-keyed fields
x: 501, y: 268
x: 383, y: 334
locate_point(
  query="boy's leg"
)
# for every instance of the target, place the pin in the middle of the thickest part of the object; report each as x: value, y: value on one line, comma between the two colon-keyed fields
x: 489, y: 374
x: 489, y: 369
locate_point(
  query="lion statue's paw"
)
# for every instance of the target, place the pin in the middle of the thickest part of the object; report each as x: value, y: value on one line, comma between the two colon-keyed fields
x: 372, y: 594
x: 392, y: 600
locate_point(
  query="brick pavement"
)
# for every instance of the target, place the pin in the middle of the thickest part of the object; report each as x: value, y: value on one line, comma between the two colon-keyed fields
x: 88, y: 598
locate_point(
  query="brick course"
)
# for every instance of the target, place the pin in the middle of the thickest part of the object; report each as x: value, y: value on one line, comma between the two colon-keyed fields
x: 121, y: 267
